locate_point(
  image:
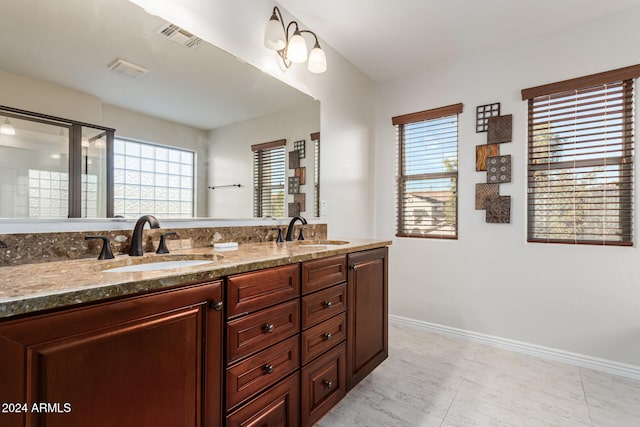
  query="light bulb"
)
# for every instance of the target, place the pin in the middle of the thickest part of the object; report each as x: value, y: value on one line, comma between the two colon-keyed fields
x: 297, y: 48
x: 274, y: 37
x: 7, y: 128
x: 317, y: 60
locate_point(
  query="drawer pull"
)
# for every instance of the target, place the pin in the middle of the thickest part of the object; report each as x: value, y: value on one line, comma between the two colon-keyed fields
x: 328, y: 304
x: 327, y: 336
x: 268, y: 328
x: 268, y: 369
x: 328, y: 384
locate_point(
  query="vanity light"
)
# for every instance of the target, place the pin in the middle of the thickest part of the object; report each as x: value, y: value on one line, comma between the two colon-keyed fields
x: 7, y: 128
x: 293, y: 49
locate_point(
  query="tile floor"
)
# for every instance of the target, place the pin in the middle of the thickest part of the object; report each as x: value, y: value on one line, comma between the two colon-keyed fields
x: 432, y: 380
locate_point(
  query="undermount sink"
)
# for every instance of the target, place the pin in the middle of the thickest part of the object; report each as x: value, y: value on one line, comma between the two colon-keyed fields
x: 322, y: 242
x: 152, y: 266
x: 157, y: 262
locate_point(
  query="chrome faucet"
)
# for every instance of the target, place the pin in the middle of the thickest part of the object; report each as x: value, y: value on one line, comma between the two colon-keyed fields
x: 290, y: 229
x: 136, y: 238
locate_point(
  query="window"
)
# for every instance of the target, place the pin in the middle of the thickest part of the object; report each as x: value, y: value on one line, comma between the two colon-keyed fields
x: 427, y: 204
x: 269, y: 179
x: 580, y: 167
x: 152, y: 179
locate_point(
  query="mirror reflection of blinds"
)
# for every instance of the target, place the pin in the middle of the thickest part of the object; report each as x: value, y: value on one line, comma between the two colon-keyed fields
x: 428, y: 173
x: 269, y: 175
x: 580, y: 164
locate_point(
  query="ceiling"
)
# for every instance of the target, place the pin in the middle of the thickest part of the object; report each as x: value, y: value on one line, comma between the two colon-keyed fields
x: 71, y: 42
x: 389, y: 39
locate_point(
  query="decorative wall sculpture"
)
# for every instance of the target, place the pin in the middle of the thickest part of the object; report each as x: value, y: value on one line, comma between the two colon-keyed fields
x: 483, y: 152
x: 499, y: 130
x: 299, y: 146
x: 299, y: 178
x: 483, y: 112
x: 294, y: 159
x: 483, y: 191
x: 499, y: 169
x: 498, y: 209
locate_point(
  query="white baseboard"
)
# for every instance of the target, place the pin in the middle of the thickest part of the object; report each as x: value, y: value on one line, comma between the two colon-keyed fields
x: 604, y: 365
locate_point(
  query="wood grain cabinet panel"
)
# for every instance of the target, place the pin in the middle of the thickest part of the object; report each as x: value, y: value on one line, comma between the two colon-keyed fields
x: 322, y: 337
x: 252, y: 333
x: 258, y: 372
x: 323, y: 305
x: 322, y: 273
x: 367, y: 334
x: 277, y: 407
x: 323, y: 385
x: 249, y: 292
x: 133, y: 362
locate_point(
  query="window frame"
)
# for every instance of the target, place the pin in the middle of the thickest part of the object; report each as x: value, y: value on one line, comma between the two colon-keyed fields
x: 401, y: 177
x: 623, y: 77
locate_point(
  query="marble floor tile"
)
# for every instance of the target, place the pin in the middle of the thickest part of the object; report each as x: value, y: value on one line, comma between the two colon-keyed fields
x: 613, y: 401
x: 433, y: 380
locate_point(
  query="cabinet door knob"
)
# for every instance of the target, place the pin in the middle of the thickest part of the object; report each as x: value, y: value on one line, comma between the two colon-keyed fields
x: 354, y: 267
x: 268, y: 369
x: 216, y: 305
x: 268, y: 328
x: 327, y: 336
x: 328, y: 384
x: 328, y: 304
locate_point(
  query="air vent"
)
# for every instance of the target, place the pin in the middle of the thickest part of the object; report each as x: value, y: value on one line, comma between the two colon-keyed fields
x: 179, y: 36
x: 127, y: 68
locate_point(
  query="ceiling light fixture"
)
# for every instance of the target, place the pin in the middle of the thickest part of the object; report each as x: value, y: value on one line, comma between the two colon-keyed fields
x: 293, y: 49
x: 7, y: 128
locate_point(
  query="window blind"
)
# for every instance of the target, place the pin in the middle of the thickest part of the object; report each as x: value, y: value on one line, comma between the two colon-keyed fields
x: 269, y: 176
x: 427, y: 193
x: 580, y: 164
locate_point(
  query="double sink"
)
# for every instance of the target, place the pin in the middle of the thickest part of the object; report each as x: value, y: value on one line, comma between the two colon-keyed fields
x: 173, y: 261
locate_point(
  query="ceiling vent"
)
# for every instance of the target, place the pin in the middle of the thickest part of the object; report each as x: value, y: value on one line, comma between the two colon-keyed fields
x: 127, y: 68
x: 179, y: 36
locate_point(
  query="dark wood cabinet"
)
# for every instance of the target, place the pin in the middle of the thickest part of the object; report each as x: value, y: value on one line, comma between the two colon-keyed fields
x: 367, y: 334
x: 277, y: 347
x: 146, y: 360
x: 263, y: 348
x: 278, y: 407
x: 323, y: 384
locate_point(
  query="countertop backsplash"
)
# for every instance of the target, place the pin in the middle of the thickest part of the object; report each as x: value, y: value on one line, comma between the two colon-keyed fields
x: 32, y: 248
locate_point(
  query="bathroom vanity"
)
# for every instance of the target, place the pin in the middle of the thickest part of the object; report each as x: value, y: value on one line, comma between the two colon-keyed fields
x: 272, y: 334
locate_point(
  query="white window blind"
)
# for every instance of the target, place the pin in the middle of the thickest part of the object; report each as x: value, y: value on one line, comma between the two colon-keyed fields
x: 427, y: 195
x: 269, y: 176
x: 580, y: 163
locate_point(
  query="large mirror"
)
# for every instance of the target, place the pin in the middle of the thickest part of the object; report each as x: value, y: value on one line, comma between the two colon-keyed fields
x: 109, y: 63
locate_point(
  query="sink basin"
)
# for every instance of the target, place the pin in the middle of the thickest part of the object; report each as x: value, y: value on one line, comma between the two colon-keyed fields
x: 322, y: 242
x: 127, y: 264
x: 160, y: 265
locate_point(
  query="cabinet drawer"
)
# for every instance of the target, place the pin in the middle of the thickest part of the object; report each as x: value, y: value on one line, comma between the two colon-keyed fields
x: 277, y: 407
x: 322, y: 337
x: 253, y: 291
x: 323, y: 384
x: 323, y: 305
x: 254, y: 332
x: 322, y: 273
x: 258, y: 372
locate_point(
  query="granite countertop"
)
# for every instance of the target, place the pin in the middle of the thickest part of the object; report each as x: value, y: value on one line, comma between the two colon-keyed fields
x: 31, y: 288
